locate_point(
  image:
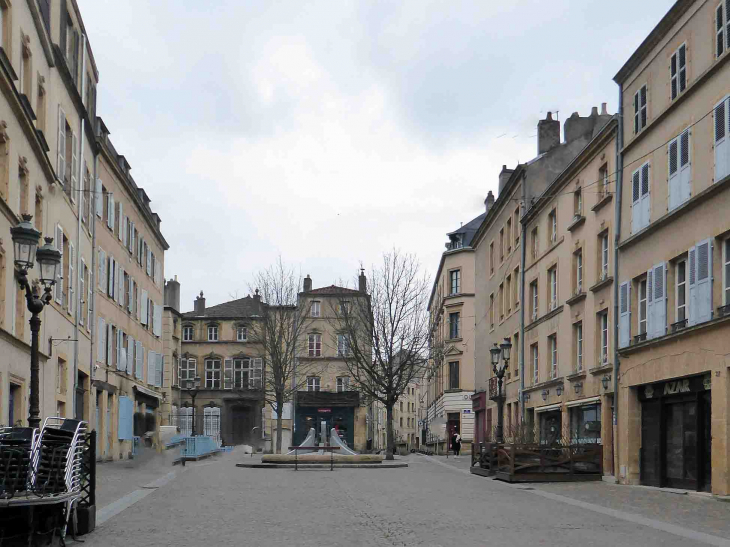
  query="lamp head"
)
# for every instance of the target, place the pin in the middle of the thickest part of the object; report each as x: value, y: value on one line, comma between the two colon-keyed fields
x: 495, y: 352
x: 25, y: 243
x: 49, y: 259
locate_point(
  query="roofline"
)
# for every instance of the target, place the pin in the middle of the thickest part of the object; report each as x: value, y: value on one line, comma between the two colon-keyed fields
x: 449, y: 252
x: 88, y: 42
x: 498, y: 203
x: 675, y: 12
x: 564, y: 176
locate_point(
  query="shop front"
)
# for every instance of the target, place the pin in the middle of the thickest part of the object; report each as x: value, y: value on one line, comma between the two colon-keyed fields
x: 318, y: 409
x: 478, y: 406
x: 676, y: 433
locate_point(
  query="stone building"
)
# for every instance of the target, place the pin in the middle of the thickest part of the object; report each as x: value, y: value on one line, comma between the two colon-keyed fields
x: 674, y: 251
x: 450, y: 375
x: 501, y: 256
x: 405, y: 419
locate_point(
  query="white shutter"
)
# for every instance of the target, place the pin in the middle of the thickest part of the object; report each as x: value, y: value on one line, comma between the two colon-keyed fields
x: 120, y: 286
x: 673, y: 158
x: 125, y: 230
x: 685, y: 167
x: 102, y: 268
x: 109, y: 341
x: 99, y: 199
x: 624, y: 332
x: 82, y: 290
x: 254, y: 381
x: 145, y: 304
x: 110, y: 279
x: 659, y: 304
x: 704, y: 280
x: 722, y: 140
x: 151, y: 363
x: 61, y: 150
x: 74, y: 165
x: 130, y: 355
x: 149, y: 261
x: 112, y: 210
x: 636, y: 201
x: 158, y: 371
x: 82, y: 197
x: 71, y: 273
x: 121, y: 218
x: 157, y: 325
x: 119, y: 350
x: 139, y: 304
x: 130, y: 294
x: 645, y: 200
x: 131, y: 237
x: 89, y: 295
x: 693, y: 302
x: 101, y: 341
x: 649, y: 303
x: 59, y: 247
x: 228, y: 374
x: 139, y: 360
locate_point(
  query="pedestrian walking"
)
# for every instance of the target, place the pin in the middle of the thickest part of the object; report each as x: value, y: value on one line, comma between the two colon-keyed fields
x: 456, y: 443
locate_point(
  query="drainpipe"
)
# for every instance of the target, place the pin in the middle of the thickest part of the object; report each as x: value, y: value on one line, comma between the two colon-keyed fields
x: 617, y: 238
x: 92, y: 279
x: 78, y: 233
x: 521, y: 349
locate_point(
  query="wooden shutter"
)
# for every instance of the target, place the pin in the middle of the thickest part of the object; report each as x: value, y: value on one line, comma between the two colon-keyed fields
x: 74, y: 165
x: 151, y: 361
x: 110, y: 277
x: 119, y: 338
x: 722, y: 140
x: 102, y: 267
x: 126, y: 419
x: 720, y: 30
x: 110, y: 211
x: 109, y: 342
x: 645, y: 201
x: 704, y: 280
x: 139, y: 360
x: 123, y: 228
x: 636, y: 201
x: 130, y: 294
x: 71, y: 273
x: 685, y: 167
x: 159, y: 369
x: 659, y: 303
x: 82, y: 290
x: 692, y: 302
x: 59, y: 279
x: 673, y: 157
x: 158, y: 320
x: 101, y: 341
x: 99, y: 199
x: 61, y: 148
x: 145, y: 304
x: 130, y: 355
x: 649, y: 303
x: 149, y: 260
x: 254, y: 380
x: 624, y: 333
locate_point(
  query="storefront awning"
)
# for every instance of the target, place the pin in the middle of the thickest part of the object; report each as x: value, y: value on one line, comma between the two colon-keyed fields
x: 581, y: 402
x: 148, y: 392
x: 548, y: 408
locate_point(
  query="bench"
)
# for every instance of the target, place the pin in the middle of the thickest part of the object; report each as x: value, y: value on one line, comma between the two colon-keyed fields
x: 330, y: 449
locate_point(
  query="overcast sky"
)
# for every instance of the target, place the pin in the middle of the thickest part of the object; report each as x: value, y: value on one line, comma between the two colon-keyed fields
x: 330, y: 132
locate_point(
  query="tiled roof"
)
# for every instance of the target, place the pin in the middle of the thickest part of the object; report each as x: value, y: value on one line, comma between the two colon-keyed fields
x: 333, y: 289
x: 243, y: 307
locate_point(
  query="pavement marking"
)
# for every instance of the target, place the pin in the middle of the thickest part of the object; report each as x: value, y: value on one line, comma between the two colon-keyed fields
x: 125, y: 502
x: 651, y: 523
x: 162, y: 481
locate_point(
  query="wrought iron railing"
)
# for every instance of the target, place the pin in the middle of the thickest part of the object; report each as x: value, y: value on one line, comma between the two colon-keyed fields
x: 679, y: 325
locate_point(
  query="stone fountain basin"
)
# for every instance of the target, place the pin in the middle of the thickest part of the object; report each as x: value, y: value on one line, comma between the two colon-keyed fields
x: 322, y: 458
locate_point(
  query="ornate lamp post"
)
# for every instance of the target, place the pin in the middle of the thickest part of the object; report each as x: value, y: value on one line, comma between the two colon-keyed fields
x: 192, y: 387
x: 25, y: 248
x: 499, y: 368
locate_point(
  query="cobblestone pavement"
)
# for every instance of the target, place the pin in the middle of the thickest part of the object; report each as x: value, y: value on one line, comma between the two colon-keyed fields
x: 434, y: 502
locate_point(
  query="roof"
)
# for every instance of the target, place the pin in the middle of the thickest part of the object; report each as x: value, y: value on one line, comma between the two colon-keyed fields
x: 243, y: 307
x: 469, y: 229
x: 333, y: 289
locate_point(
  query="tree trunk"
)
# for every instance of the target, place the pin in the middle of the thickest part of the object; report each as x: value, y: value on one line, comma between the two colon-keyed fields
x: 390, y: 445
x: 279, y: 419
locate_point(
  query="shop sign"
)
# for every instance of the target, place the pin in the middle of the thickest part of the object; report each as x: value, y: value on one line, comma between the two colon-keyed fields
x: 324, y: 410
x: 676, y: 387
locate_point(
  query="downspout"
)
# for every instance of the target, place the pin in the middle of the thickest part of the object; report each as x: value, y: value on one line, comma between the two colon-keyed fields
x: 92, y: 278
x: 617, y: 239
x: 521, y: 349
x: 78, y: 233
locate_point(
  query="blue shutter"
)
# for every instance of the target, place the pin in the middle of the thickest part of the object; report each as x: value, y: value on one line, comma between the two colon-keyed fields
x: 126, y: 419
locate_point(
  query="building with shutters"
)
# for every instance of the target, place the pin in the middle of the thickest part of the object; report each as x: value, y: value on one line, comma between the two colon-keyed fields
x: 673, y: 251
x: 129, y: 286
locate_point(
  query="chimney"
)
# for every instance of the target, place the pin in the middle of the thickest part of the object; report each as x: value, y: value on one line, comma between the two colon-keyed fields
x: 307, y: 283
x: 257, y: 296
x: 504, y: 176
x: 172, y: 294
x: 548, y: 134
x: 576, y: 127
x: 604, y: 111
x: 200, y: 304
x: 362, y: 281
x: 489, y: 202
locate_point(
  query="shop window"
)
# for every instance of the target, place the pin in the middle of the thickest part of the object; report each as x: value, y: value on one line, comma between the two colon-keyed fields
x: 585, y: 424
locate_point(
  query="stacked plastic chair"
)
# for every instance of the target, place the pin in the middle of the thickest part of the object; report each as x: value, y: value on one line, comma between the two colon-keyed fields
x: 57, y: 458
x: 16, y: 447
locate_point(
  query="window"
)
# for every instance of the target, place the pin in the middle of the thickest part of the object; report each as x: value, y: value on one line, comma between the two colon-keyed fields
x: 681, y: 290
x: 491, y: 311
x: 678, y: 71
x: 535, y: 359
x: 602, y: 181
x: 640, y: 208
x: 578, y: 202
x: 241, y: 373
x: 212, y: 333
x: 315, y: 345
x: 535, y: 244
x: 213, y: 373
x: 491, y: 258
x: 508, y: 294
x: 604, y: 256
x: 186, y: 371
x: 516, y: 349
x: 343, y: 345
x: 344, y: 307
x: 534, y: 299
x: 579, y: 271
x: 313, y: 383
x: 343, y: 383
x: 241, y: 334
x: 517, y: 227
x: 603, y: 323
x: 553, y: 221
x: 509, y: 235
x: 516, y: 286
x: 578, y: 329
x: 454, y: 330
x: 553, y: 280
x: 722, y: 28
x: 640, y: 100
x: 722, y: 139
x: 314, y: 310
x: 455, y: 281
x: 188, y: 333
x: 726, y: 272
x: 500, y: 297
x: 553, y: 345
x: 501, y: 245
x: 680, y: 172
x: 642, y: 307
x: 585, y: 424
x: 454, y: 375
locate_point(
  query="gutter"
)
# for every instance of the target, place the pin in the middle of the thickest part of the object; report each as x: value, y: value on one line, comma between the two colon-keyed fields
x: 523, y: 260
x: 92, y: 277
x: 617, y: 239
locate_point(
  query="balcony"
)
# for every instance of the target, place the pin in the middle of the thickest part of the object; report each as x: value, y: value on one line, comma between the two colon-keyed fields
x: 577, y: 221
x: 723, y: 311
x: 679, y: 325
x: 640, y: 338
x: 578, y: 295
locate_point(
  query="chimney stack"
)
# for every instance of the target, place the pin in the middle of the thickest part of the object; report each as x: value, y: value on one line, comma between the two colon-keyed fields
x: 489, y: 202
x: 172, y: 294
x: 504, y: 176
x: 604, y: 111
x: 307, y: 283
x: 200, y: 304
x: 362, y: 281
x: 548, y: 134
x: 257, y: 296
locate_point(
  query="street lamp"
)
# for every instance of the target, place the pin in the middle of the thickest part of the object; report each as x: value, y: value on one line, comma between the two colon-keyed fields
x: 192, y: 386
x: 25, y: 247
x: 503, y: 351
x: 605, y: 380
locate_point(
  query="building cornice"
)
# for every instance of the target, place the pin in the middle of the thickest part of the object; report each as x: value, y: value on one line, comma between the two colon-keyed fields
x: 442, y: 261
x: 499, y: 203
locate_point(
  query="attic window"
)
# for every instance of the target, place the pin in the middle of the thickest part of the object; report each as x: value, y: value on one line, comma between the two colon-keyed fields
x: 456, y: 242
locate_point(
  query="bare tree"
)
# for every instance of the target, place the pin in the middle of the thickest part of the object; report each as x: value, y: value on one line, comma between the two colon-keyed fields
x: 386, y: 334
x: 279, y: 332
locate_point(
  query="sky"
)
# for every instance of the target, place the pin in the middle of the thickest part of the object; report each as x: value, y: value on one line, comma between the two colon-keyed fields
x: 329, y: 132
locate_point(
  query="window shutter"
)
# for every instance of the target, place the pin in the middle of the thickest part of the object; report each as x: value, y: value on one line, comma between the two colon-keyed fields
x: 704, y: 281
x: 102, y: 267
x: 130, y: 294
x: 101, y: 342
x: 125, y: 229
x: 673, y: 153
x: 82, y: 290
x: 228, y: 374
x: 120, y: 363
x: 126, y: 419
x: 121, y: 219
x: 254, y: 382
x: 659, y: 305
x: 111, y: 206
x: 61, y: 150
x: 692, y: 302
x: 151, y: 364
x: 130, y: 355
x: 158, y: 320
x: 139, y: 304
x: 719, y: 30
x: 121, y: 286
x: 649, y: 303
x: 145, y: 304
x: 110, y: 279
x: 59, y: 280
x: 624, y: 332
x: 99, y: 199
x: 149, y: 260
x: 685, y: 167
x: 159, y: 369
x: 74, y: 165
x: 645, y: 201
x: 109, y: 342
x: 722, y: 143
x: 71, y: 273
x: 636, y: 201
x: 138, y: 360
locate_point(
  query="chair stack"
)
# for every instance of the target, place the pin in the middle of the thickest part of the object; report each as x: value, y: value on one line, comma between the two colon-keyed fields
x: 16, y: 445
x: 56, y: 462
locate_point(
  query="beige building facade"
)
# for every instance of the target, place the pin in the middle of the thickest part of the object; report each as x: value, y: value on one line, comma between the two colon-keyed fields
x: 673, y: 386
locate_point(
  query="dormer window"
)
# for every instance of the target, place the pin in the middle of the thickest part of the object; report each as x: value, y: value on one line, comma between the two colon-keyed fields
x: 212, y: 333
x: 315, y: 309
